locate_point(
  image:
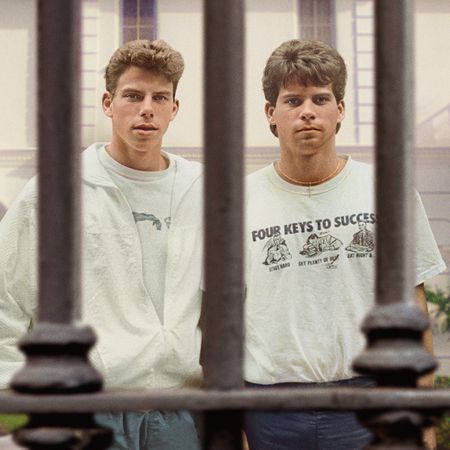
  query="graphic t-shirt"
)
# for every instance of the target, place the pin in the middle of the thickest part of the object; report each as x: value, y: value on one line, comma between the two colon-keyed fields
x: 149, y: 195
x: 310, y: 273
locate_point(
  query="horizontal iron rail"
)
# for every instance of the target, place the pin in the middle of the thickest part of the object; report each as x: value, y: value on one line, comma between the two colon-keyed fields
x: 336, y: 398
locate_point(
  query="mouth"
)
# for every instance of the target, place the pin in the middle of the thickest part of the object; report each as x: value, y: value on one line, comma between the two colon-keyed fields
x: 145, y: 127
x: 306, y: 129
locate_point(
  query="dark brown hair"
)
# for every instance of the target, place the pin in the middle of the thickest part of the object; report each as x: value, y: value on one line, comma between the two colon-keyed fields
x: 307, y: 63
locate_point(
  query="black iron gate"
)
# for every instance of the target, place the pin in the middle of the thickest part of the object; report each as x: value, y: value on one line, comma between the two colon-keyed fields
x: 59, y: 388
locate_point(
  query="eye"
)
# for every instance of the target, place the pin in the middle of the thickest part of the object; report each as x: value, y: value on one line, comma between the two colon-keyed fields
x: 321, y: 99
x: 293, y: 101
x: 160, y: 98
x: 133, y: 96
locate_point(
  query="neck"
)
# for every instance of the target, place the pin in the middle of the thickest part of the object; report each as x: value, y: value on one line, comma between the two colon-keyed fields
x: 309, y: 171
x: 149, y: 160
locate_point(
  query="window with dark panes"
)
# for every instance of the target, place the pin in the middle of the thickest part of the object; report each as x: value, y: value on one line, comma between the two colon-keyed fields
x: 138, y: 20
x: 317, y: 20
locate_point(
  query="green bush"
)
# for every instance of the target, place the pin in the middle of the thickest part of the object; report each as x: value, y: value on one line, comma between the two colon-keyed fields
x: 442, y: 300
x: 9, y: 422
x: 443, y: 429
x: 443, y: 434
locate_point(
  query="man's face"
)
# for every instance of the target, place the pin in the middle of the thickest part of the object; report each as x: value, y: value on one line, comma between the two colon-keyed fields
x: 141, y: 109
x: 306, y: 118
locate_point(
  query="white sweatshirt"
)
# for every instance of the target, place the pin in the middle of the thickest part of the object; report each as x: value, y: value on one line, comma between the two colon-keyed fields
x: 134, y: 350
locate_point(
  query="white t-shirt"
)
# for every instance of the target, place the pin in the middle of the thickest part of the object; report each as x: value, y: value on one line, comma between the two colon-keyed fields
x: 149, y: 195
x: 310, y: 273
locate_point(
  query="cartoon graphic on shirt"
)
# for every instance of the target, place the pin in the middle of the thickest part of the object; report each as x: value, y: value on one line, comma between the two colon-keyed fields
x: 277, y: 250
x: 140, y: 217
x: 363, y: 241
x: 316, y: 245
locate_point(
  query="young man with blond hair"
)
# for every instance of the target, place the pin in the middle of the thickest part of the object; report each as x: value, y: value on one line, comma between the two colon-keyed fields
x: 141, y: 251
x: 303, y: 314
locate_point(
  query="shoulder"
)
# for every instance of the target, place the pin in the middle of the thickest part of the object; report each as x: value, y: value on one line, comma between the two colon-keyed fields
x: 187, y: 167
x: 361, y: 167
x: 89, y: 156
x: 259, y: 177
x: 188, y: 183
x: 260, y: 173
x: 259, y: 188
x: 22, y: 212
x: 27, y: 198
x: 361, y: 173
x: 260, y: 184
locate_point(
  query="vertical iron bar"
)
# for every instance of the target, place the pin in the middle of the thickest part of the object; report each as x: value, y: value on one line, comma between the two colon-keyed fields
x: 56, y: 348
x: 58, y: 162
x: 395, y: 356
x: 55, y: 340
x: 224, y: 193
x: 394, y: 327
x: 394, y: 150
x: 223, y: 307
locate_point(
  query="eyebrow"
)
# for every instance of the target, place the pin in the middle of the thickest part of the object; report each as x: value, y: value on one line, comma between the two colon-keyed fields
x: 296, y: 94
x: 130, y: 89
x: 290, y: 94
x: 163, y: 93
x: 126, y: 90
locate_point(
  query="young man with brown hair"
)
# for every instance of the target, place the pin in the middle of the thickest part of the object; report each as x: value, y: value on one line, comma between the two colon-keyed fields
x: 303, y: 314
x: 141, y: 251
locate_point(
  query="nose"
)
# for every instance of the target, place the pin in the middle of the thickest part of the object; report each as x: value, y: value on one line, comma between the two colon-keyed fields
x: 307, y: 112
x: 147, y: 107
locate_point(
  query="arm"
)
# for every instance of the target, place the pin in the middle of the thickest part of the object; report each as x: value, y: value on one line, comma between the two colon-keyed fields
x: 426, y: 381
x: 427, y: 338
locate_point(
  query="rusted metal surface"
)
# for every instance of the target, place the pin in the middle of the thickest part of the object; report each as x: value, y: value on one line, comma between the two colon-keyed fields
x: 63, y: 431
x: 401, y: 430
x: 395, y: 355
x: 394, y: 327
x: 224, y: 95
x: 56, y: 350
x: 327, y: 398
x: 58, y: 160
x: 223, y: 130
x: 223, y: 430
x: 394, y: 87
x: 57, y: 361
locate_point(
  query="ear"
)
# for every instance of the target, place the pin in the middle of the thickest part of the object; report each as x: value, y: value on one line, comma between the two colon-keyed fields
x: 107, y: 103
x: 269, y: 110
x: 175, y: 108
x: 341, y: 111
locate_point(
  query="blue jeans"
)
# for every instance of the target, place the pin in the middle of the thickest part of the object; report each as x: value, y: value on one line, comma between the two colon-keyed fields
x: 306, y: 430
x: 151, y: 430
